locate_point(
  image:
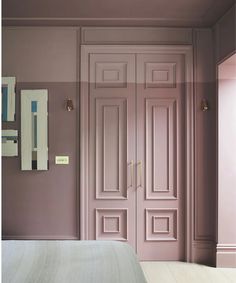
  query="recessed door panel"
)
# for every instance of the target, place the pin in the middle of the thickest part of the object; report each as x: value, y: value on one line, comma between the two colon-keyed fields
x: 111, y: 148
x: 161, y: 151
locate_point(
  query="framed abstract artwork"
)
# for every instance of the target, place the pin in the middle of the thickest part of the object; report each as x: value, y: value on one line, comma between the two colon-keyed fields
x: 8, y: 98
x: 9, y: 143
x: 34, y: 129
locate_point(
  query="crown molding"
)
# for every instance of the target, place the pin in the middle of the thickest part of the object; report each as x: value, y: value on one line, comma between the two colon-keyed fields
x: 149, y: 22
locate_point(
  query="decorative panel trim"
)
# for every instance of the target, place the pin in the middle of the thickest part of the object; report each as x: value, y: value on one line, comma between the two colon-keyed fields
x: 226, y: 247
x: 160, y: 75
x: 154, y: 215
x: 135, y: 35
x: 167, y: 231
x: 104, y: 233
x: 104, y: 224
x: 34, y: 132
x: 111, y: 75
x: 104, y: 108
x: 120, y: 190
x: 152, y: 106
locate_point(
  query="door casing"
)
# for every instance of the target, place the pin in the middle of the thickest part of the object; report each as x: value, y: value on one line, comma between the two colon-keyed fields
x: 186, y: 51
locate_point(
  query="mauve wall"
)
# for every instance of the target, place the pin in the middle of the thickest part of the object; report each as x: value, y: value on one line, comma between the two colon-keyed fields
x: 226, y: 244
x: 42, y: 204
x: 45, y: 204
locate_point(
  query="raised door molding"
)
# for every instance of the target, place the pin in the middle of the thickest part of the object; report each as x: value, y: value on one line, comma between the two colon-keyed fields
x: 161, y: 151
x: 135, y: 35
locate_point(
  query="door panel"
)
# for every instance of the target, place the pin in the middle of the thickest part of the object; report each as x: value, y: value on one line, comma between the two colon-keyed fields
x: 111, y: 147
x: 160, y: 151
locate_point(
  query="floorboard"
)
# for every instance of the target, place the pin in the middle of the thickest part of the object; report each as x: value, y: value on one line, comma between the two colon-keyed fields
x: 182, y: 272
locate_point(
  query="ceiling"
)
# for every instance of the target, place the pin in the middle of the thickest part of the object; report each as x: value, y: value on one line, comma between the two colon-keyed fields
x: 230, y: 61
x: 117, y: 12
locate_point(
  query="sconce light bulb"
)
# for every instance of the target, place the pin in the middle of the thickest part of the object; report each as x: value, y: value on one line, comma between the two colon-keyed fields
x: 69, y: 105
x: 205, y: 105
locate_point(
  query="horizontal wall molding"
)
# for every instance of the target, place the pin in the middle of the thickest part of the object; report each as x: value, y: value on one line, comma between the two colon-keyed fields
x: 160, y: 22
x: 38, y: 237
x: 135, y: 35
x: 226, y: 255
x: 226, y: 247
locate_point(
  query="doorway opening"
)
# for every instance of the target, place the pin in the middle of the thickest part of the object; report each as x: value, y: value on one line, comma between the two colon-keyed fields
x: 226, y: 232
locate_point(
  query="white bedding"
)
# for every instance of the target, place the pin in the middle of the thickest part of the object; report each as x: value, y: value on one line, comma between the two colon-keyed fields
x: 69, y: 262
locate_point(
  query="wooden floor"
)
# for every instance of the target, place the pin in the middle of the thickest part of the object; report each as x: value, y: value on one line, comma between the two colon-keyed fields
x: 182, y: 272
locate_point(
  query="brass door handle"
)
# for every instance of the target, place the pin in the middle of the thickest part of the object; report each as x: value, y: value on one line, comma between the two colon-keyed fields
x: 140, y: 174
x: 131, y: 165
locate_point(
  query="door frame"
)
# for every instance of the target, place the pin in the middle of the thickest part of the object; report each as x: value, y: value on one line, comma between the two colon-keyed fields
x: 187, y: 52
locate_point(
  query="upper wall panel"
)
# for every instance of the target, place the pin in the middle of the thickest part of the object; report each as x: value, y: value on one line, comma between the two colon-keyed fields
x: 183, y: 13
x: 132, y: 35
x: 39, y: 54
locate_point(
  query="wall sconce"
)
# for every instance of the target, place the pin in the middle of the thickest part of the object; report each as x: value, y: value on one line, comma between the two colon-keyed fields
x: 204, y: 105
x: 69, y: 105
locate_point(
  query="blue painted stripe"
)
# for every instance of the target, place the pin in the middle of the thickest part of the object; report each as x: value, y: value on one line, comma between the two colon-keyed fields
x: 34, y: 106
x: 10, y: 137
x: 4, y: 102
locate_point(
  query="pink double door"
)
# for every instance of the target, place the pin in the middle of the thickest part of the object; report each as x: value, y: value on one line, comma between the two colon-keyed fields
x: 136, y: 165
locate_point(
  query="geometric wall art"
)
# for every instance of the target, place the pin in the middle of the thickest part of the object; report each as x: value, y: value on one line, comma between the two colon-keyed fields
x: 34, y: 129
x: 8, y: 98
x: 9, y: 142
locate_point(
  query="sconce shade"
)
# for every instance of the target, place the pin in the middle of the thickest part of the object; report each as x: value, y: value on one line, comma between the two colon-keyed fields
x: 204, y: 105
x: 69, y: 105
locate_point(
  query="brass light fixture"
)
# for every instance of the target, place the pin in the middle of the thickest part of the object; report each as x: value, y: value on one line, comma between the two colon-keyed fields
x: 204, y: 105
x: 69, y: 105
